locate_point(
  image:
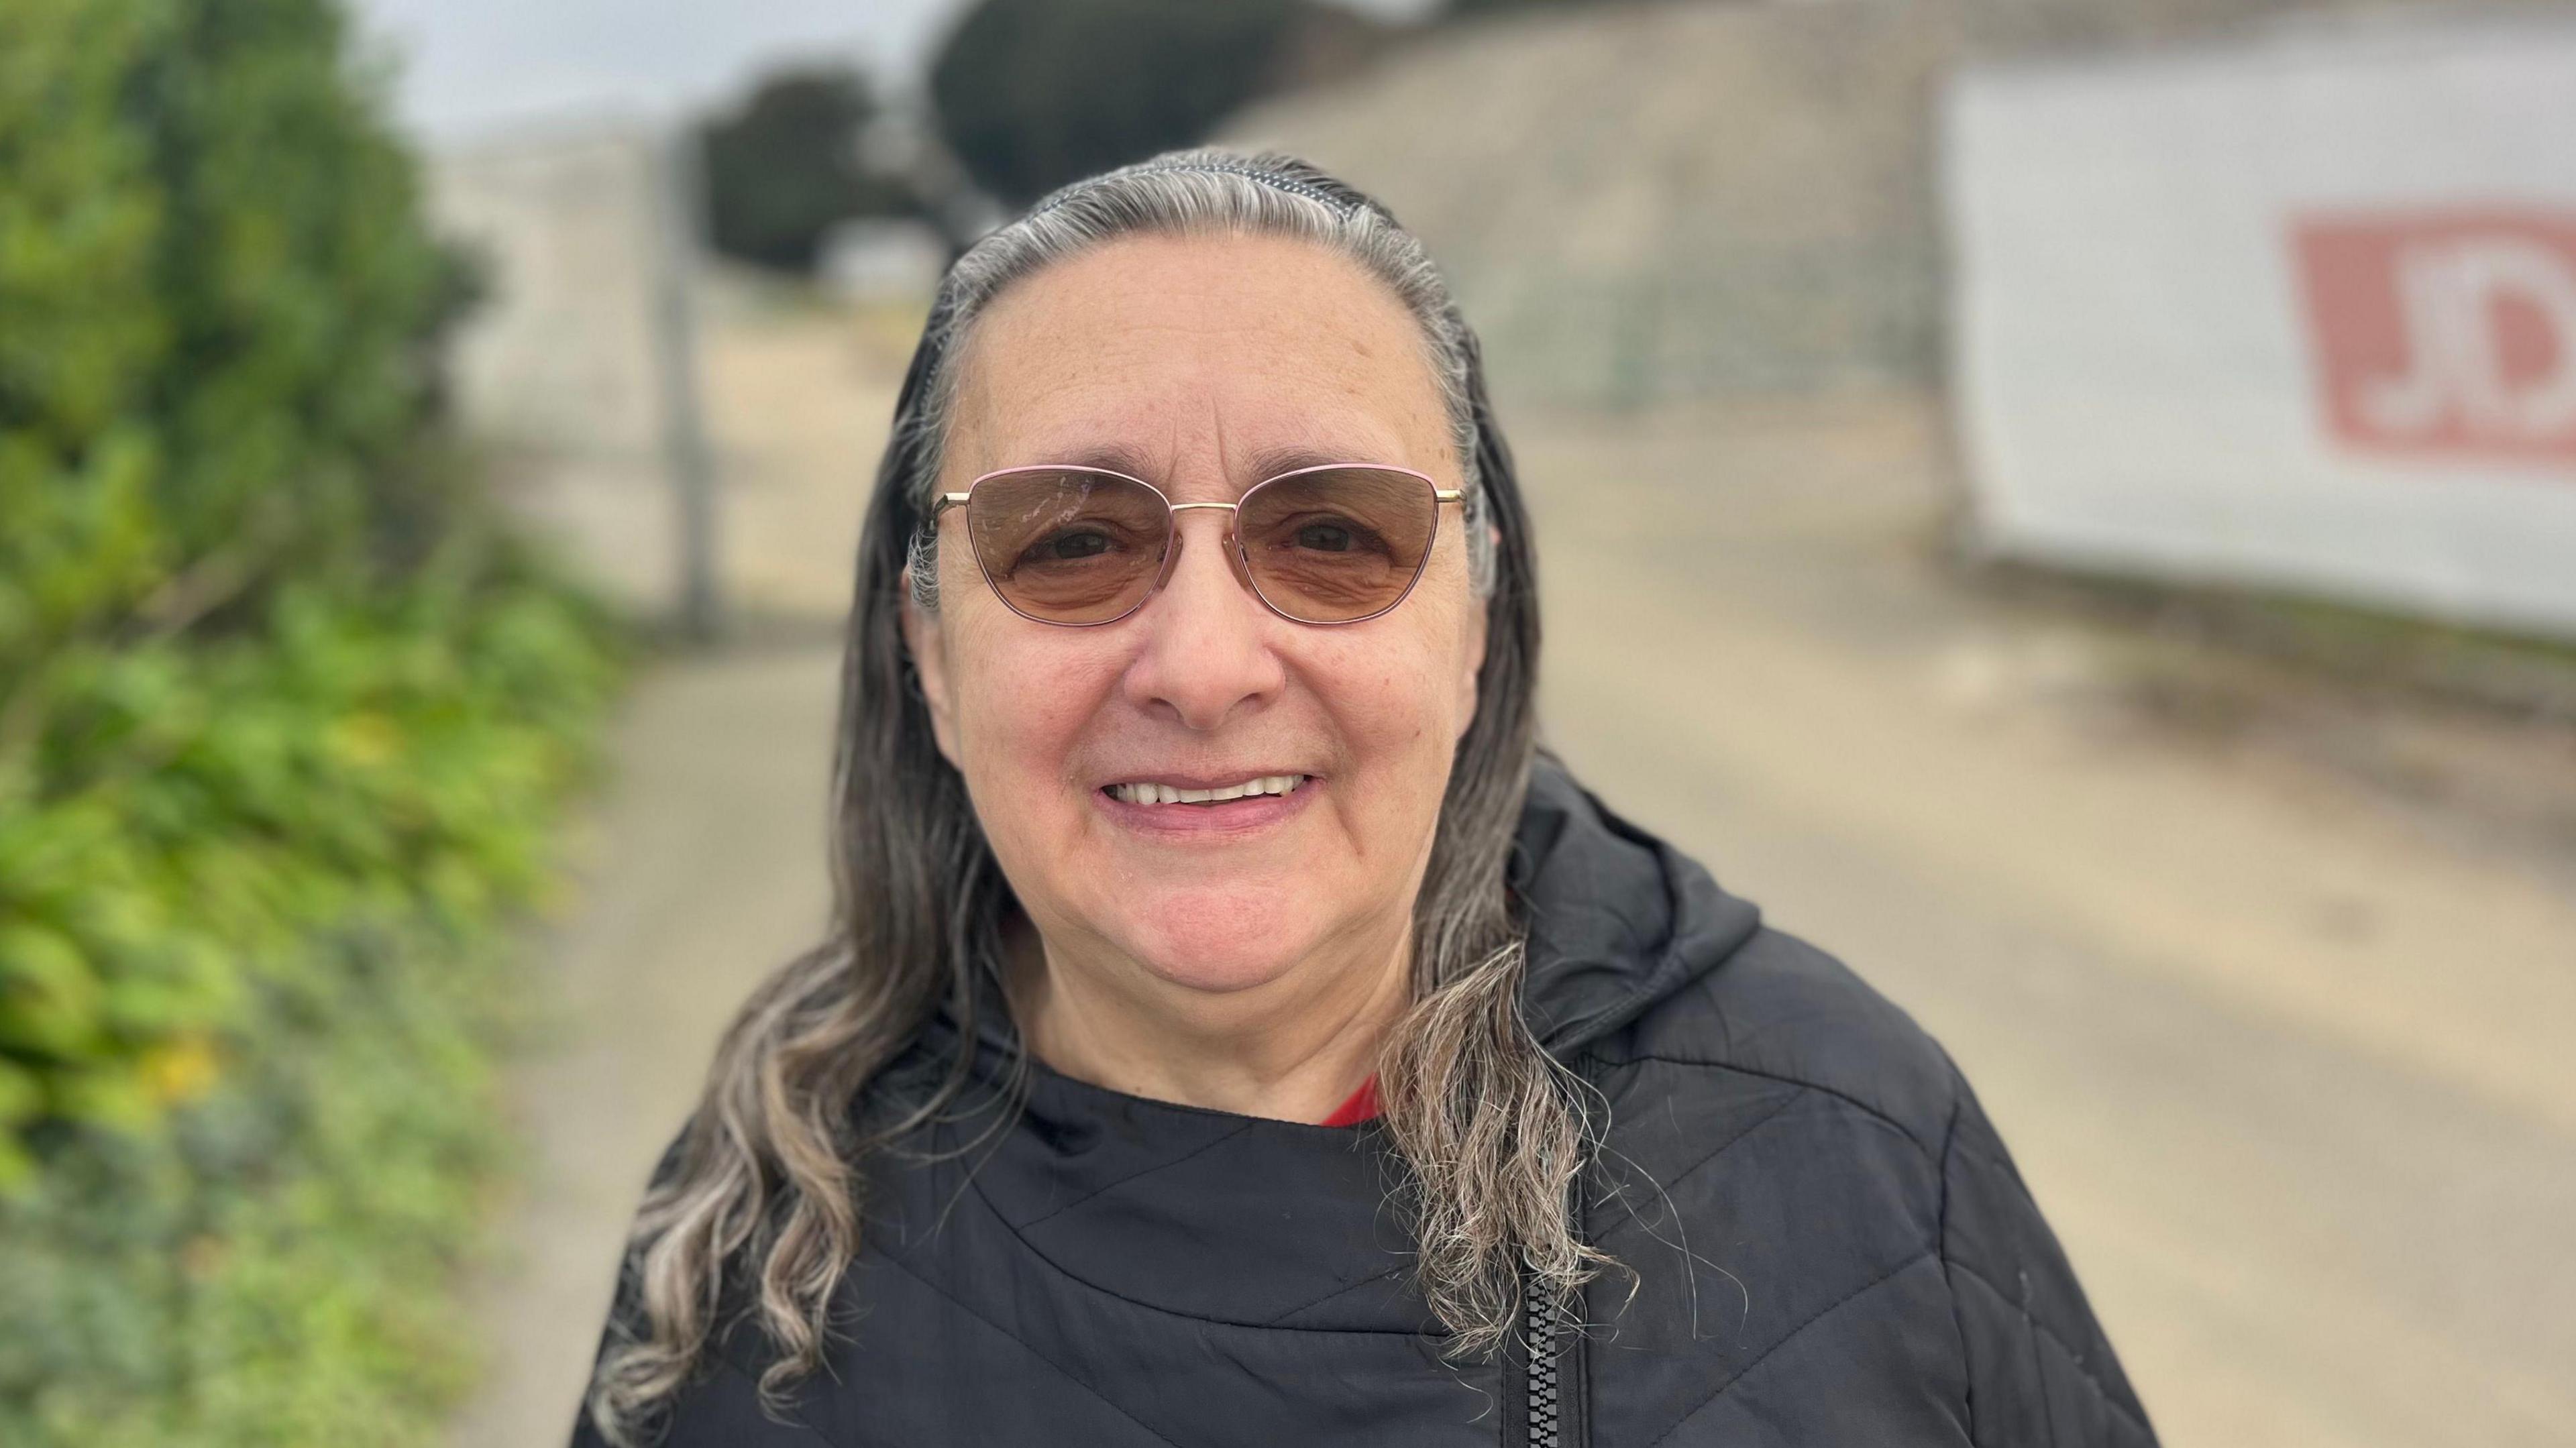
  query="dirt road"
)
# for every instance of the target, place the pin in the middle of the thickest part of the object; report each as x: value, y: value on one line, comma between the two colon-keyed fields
x: 2283, y: 1056
x: 2280, y: 1052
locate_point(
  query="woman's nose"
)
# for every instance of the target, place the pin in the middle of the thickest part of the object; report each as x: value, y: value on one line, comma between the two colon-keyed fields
x: 1206, y: 657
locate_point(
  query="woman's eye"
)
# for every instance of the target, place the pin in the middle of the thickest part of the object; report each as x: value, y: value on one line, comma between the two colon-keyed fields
x: 1064, y: 547
x: 1333, y: 537
x: 1316, y: 537
x: 1327, y: 538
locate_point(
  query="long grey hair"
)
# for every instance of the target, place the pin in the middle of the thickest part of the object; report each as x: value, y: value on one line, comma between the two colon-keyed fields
x: 758, y: 1202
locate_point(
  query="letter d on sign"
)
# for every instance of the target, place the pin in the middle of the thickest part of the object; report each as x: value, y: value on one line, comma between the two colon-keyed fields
x: 2450, y: 334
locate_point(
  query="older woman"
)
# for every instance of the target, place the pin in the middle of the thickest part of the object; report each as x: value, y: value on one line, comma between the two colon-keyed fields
x: 1233, y: 1031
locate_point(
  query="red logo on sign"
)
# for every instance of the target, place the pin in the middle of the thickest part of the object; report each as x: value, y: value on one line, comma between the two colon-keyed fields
x: 2447, y: 334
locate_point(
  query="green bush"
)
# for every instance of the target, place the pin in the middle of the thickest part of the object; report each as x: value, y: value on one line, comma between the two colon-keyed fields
x: 284, y: 716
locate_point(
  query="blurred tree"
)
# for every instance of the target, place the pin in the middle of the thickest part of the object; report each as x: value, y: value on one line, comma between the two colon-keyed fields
x: 1035, y: 93
x: 786, y: 166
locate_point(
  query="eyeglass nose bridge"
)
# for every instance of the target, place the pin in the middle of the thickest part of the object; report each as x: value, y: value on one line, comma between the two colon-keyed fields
x: 1231, y: 546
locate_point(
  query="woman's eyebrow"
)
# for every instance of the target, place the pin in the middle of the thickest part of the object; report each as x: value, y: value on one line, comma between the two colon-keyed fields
x: 1270, y: 462
x: 1114, y: 457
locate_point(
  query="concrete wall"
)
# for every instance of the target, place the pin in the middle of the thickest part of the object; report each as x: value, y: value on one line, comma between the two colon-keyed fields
x: 557, y: 372
x: 1660, y: 202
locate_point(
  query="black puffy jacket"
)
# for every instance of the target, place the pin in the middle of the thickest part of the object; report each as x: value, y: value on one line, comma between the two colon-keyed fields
x: 1832, y: 1248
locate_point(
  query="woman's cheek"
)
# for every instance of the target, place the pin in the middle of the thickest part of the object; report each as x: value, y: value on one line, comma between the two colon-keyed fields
x: 1034, y: 704
x: 1394, y: 707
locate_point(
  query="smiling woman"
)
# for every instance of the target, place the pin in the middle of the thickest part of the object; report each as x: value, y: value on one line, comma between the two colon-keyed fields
x: 1245, y: 956
x: 1233, y: 1030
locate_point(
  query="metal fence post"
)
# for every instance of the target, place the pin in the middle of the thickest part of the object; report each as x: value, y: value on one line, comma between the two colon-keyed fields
x: 678, y: 213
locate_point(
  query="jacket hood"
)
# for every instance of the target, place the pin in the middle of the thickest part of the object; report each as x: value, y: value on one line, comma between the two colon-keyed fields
x: 1618, y: 920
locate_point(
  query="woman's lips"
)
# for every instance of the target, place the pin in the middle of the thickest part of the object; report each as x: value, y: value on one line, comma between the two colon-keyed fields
x: 1184, y: 810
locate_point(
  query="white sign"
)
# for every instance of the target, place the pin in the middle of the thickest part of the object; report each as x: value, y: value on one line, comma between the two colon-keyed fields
x: 2300, y: 312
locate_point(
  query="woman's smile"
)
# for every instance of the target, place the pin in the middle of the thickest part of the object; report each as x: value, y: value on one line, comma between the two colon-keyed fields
x: 1182, y: 807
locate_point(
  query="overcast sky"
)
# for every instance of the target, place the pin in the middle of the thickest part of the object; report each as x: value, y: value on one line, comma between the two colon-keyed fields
x: 471, y: 67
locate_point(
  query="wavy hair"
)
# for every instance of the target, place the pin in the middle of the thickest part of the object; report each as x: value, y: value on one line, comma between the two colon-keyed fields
x: 758, y: 1203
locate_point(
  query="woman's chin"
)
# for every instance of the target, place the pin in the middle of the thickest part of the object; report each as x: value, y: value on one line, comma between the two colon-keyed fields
x: 1220, y: 952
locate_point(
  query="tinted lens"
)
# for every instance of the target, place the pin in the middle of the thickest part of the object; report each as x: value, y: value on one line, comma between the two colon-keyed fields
x: 1337, y: 544
x: 1068, y: 545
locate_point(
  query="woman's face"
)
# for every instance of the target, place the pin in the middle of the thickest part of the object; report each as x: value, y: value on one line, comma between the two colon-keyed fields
x: 1203, y: 365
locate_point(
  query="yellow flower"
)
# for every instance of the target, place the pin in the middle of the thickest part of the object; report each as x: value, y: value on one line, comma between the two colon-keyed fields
x: 365, y: 740
x: 180, y: 1071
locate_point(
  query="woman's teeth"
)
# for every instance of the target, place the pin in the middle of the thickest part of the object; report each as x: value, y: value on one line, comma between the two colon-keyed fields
x: 1164, y: 794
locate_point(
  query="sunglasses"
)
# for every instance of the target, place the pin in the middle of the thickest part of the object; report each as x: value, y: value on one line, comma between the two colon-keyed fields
x: 1339, y: 543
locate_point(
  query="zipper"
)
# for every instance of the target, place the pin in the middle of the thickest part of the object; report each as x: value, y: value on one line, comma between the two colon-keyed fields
x: 1546, y: 1412
x: 1553, y: 1391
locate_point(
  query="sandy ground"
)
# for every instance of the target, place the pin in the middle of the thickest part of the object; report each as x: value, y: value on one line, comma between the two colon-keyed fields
x: 2280, y: 1047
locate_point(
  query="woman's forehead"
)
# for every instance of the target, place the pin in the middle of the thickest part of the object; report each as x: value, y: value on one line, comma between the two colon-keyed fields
x: 1245, y: 465
x: 1158, y: 348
